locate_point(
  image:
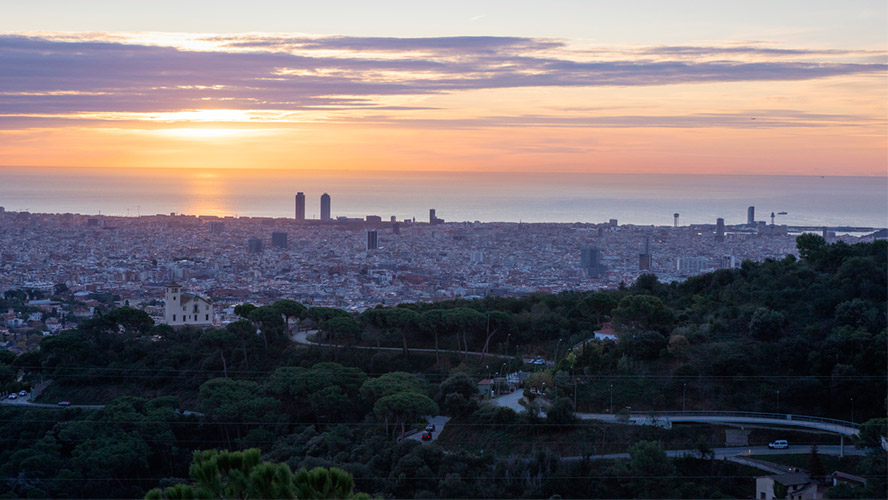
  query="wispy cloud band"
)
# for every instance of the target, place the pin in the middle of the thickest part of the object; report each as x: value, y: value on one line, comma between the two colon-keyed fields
x: 69, y: 74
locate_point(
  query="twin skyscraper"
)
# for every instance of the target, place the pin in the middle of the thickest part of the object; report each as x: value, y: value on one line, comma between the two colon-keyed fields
x: 300, y: 207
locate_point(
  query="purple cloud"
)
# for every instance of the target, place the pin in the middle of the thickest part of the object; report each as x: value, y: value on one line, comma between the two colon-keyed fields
x: 44, y: 76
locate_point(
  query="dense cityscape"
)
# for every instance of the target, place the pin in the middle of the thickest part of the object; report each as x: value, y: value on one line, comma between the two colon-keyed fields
x: 443, y: 250
x: 357, y: 264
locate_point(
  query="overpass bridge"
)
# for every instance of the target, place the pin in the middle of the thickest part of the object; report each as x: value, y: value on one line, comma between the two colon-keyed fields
x: 667, y: 418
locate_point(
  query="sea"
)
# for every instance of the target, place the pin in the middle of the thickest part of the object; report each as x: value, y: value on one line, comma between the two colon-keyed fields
x: 643, y: 199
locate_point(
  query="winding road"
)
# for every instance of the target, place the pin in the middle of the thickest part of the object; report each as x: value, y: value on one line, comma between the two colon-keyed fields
x: 25, y: 401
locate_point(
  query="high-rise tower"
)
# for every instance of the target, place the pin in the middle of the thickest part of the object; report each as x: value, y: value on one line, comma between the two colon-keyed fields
x: 279, y: 239
x: 372, y: 239
x: 300, y: 207
x: 254, y: 245
x: 644, y: 258
x: 720, y: 229
x: 750, y: 216
x: 675, y: 222
x: 590, y: 260
x: 325, y: 207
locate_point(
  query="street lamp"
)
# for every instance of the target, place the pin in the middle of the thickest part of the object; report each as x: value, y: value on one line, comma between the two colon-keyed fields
x: 575, y: 393
x: 852, y: 410
x: 556, y: 350
x: 612, y: 398
x: 778, y: 401
x: 684, y: 390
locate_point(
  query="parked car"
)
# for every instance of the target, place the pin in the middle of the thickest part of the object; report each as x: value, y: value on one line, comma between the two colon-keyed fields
x: 64, y: 403
x: 780, y: 444
x: 23, y: 393
x: 426, y: 436
x: 13, y: 396
x: 430, y: 428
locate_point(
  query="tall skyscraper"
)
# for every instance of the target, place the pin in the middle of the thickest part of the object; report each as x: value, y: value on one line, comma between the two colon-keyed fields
x: 372, y: 240
x: 720, y: 229
x: 675, y: 216
x: 644, y: 258
x: 750, y: 216
x: 300, y: 207
x: 325, y: 207
x: 590, y: 260
x: 279, y: 240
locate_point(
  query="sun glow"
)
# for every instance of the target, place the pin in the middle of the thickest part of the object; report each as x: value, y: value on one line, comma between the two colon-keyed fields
x: 210, y: 133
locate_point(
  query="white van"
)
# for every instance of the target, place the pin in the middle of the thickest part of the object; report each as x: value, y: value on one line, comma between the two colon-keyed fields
x: 780, y: 444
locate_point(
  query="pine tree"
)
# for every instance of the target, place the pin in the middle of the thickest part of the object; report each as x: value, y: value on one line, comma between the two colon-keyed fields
x: 816, y: 469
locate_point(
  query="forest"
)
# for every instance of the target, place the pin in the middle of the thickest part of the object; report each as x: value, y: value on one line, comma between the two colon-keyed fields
x: 244, y: 411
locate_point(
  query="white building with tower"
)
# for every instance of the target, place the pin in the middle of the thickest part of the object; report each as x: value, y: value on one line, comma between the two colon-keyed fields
x: 182, y: 308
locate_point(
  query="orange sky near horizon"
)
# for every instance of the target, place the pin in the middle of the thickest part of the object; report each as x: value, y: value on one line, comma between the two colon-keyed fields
x: 488, y: 105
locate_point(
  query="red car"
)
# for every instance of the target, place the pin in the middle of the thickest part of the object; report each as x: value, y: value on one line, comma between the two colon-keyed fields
x: 426, y: 436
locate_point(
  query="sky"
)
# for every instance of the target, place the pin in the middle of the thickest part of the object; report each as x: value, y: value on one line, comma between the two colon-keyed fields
x: 787, y: 87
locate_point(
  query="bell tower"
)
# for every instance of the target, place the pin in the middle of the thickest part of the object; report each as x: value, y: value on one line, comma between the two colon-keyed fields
x: 171, y: 302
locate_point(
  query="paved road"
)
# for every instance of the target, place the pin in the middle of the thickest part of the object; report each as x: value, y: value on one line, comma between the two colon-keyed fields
x: 26, y: 401
x: 302, y: 338
x: 440, y: 421
x: 510, y: 400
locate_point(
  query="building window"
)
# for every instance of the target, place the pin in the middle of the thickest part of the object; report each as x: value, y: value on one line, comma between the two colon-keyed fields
x: 174, y: 317
x: 208, y: 317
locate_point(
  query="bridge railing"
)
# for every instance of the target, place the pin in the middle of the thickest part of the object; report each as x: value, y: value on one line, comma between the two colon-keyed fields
x: 747, y: 414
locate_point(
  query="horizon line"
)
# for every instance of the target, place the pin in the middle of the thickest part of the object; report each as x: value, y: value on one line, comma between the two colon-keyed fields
x: 402, y: 172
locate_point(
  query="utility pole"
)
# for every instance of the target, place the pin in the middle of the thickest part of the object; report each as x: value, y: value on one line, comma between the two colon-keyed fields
x: 778, y: 401
x: 556, y: 350
x: 612, y: 398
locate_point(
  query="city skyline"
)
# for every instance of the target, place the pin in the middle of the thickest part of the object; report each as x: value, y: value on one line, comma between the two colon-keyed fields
x: 794, y: 89
x: 389, y: 249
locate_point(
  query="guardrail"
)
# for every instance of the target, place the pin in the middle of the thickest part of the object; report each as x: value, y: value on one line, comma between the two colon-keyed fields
x: 748, y: 414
